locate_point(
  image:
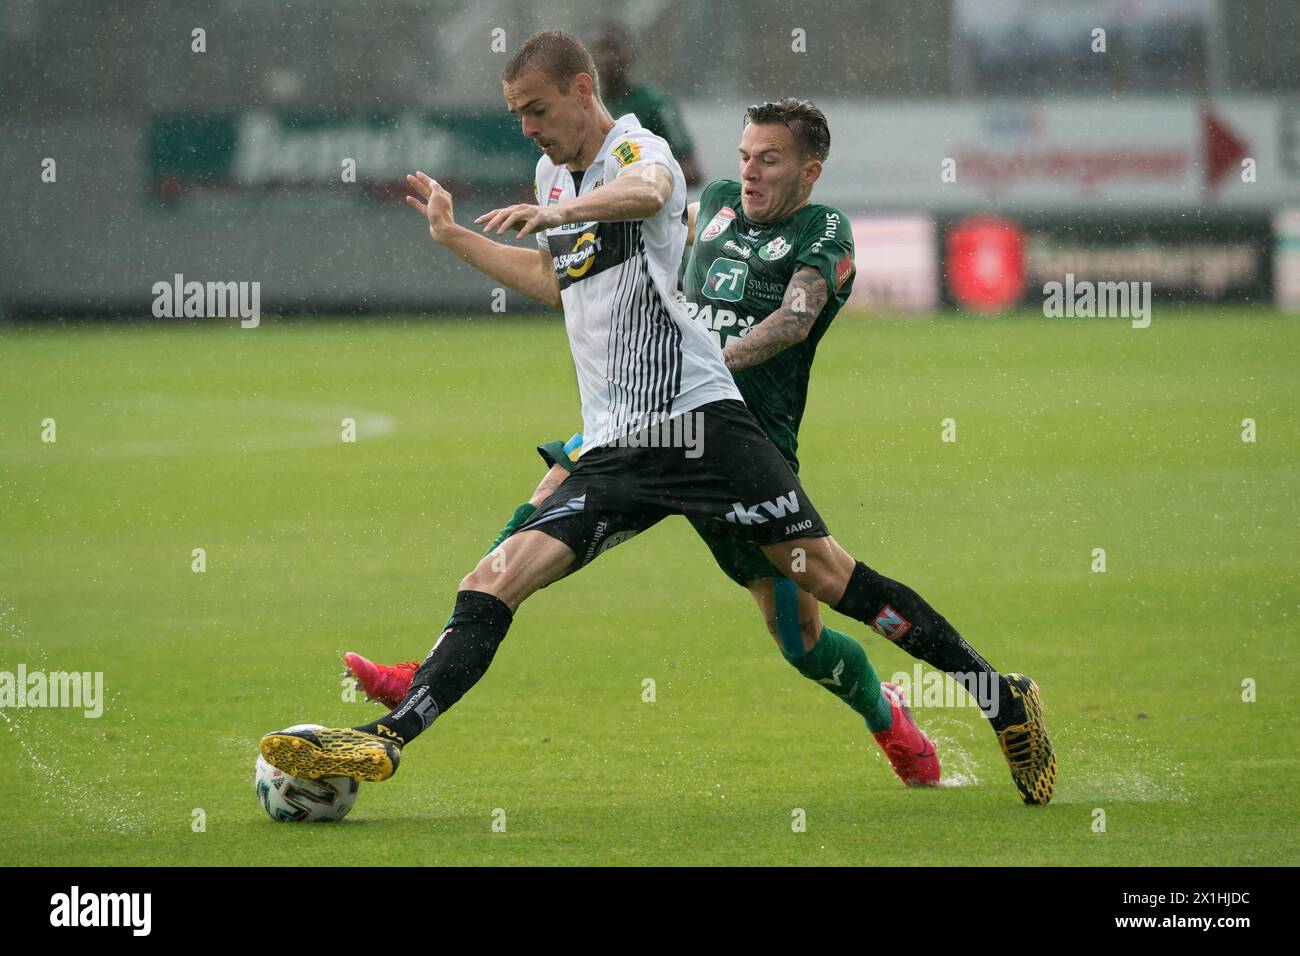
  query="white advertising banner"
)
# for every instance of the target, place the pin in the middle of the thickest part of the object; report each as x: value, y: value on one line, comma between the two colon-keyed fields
x: 1023, y: 156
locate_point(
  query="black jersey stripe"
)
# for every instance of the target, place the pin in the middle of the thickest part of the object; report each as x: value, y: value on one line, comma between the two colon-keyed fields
x: 643, y: 351
x: 622, y: 327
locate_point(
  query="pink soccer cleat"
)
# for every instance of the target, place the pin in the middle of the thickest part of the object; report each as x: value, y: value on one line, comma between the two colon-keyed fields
x: 909, y: 750
x: 381, y: 683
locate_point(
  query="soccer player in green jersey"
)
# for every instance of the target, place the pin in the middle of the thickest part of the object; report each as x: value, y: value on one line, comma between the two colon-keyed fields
x: 767, y: 273
x: 614, y: 53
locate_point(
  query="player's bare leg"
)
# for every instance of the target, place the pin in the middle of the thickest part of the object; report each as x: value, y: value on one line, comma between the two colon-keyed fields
x: 1011, y: 702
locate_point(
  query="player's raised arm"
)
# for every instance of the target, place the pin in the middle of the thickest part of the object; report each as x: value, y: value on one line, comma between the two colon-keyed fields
x: 789, y: 325
x: 638, y: 192
x: 526, y: 271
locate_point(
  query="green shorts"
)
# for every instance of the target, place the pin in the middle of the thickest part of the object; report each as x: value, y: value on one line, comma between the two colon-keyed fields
x: 739, y: 559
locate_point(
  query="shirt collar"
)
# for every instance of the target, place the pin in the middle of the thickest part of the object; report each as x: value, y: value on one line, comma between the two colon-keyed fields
x: 621, y: 125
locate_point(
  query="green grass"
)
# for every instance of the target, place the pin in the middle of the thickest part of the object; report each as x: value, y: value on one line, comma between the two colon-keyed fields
x: 1071, y: 435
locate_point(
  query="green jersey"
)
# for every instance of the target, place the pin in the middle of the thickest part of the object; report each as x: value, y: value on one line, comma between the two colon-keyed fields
x: 735, y: 278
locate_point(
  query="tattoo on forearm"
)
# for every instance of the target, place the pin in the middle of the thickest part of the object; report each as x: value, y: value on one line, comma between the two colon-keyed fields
x: 802, y: 303
x: 545, y: 488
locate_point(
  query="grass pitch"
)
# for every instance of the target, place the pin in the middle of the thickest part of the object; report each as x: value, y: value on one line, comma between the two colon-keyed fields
x: 1072, y: 435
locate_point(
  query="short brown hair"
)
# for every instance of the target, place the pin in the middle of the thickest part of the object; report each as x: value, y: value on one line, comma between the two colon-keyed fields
x: 812, y: 134
x: 559, y: 56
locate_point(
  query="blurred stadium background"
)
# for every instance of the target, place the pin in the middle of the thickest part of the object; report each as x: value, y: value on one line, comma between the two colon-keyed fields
x: 226, y: 164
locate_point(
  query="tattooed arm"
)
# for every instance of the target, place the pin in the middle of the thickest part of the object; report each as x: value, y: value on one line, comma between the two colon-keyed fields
x: 789, y: 325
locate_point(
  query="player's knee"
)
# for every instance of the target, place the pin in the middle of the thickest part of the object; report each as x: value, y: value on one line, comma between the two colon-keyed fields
x: 485, y: 576
x: 825, y: 580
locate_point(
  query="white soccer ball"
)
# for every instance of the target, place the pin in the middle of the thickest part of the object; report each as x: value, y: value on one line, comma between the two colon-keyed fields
x: 300, y: 800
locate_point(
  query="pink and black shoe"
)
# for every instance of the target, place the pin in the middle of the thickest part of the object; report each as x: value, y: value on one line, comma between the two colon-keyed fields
x: 381, y: 683
x: 911, y: 753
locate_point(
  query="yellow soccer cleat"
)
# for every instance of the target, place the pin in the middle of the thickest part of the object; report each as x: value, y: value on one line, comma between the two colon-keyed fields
x: 315, y: 752
x: 1026, y: 745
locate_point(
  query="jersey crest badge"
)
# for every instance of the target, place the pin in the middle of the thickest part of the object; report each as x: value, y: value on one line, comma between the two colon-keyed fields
x: 718, y: 223
x: 774, y: 250
x: 627, y: 153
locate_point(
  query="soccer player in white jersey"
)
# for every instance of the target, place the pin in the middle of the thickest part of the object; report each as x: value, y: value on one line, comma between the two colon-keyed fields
x: 611, y: 239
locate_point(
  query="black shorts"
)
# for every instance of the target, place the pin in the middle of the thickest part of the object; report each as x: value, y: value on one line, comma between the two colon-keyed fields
x: 730, y: 478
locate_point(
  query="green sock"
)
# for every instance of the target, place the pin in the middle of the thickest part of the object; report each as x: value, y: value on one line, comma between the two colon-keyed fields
x: 840, y: 664
x: 522, y: 514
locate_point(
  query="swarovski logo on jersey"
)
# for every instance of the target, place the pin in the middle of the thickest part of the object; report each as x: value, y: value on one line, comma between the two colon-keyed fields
x: 786, y: 504
x: 720, y: 221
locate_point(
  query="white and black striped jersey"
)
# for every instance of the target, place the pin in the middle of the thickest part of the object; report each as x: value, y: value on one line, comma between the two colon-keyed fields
x: 639, y: 357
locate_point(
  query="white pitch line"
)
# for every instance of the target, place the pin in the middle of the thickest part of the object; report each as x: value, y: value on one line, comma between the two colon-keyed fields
x: 370, y: 424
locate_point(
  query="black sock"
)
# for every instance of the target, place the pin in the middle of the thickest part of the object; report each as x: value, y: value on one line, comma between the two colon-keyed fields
x: 461, y: 656
x: 895, y: 611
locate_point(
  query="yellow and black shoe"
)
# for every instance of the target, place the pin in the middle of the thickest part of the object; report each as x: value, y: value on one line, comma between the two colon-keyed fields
x: 332, y: 752
x: 1026, y: 745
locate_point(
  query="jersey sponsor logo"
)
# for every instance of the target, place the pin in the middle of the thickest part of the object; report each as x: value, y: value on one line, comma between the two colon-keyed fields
x: 583, y: 256
x: 736, y: 249
x: 722, y: 321
x: 751, y: 234
x: 627, y: 152
x: 774, y: 250
x: 889, y: 623
x: 788, y: 503
x: 725, y: 279
x: 720, y: 221
x: 556, y: 192
x: 589, y: 251
x: 832, y: 227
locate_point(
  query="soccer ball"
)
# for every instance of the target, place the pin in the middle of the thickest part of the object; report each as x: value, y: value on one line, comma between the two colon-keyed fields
x: 299, y: 800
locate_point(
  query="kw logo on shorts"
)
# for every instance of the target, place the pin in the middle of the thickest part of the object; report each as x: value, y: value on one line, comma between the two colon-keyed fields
x: 786, y: 504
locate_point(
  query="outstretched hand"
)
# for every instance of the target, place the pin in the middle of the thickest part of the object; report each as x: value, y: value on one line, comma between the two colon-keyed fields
x: 525, y: 217
x: 434, y: 203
